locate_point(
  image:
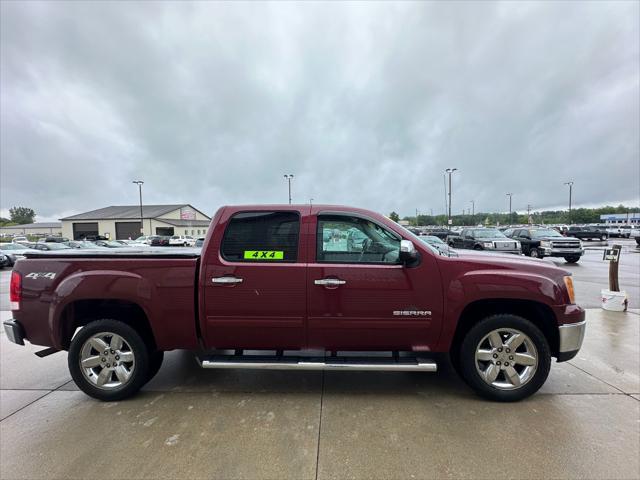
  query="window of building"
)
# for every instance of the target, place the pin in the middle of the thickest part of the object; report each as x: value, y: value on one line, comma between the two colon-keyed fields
x: 262, y: 237
x: 344, y: 239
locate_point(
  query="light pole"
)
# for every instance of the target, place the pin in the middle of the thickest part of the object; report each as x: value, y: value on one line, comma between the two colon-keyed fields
x: 473, y: 211
x: 510, y: 195
x: 140, y: 183
x: 450, y: 171
x: 570, y: 193
x: 289, y: 178
x: 311, y: 202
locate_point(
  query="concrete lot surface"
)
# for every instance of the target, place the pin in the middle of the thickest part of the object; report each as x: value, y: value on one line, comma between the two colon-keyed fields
x: 193, y: 423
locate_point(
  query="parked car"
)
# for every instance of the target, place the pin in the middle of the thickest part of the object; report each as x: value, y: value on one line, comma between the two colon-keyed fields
x: 159, y: 241
x: 435, y: 242
x: 109, y: 244
x: 93, y: 238
x: 441, y: 233
x: 5, y: 261
x: 500, y: 319
x: 144, y: 239
x: 50, y: 246
x: 56, y: 239
x: 13, y: 252
x: 19, y: 239
x: 490, y: 239
x: 587, y: 233
x: 621, y: 231
x: 547, y: 242
x: 182, y: 240
x: 637, y: 238
x: 199, y: 242
x: 82, y: 245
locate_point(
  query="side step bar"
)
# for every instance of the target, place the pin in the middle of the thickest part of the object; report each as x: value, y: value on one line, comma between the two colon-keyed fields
x: 387, y: 364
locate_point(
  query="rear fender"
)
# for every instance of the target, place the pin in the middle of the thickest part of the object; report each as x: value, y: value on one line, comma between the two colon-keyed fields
x: 101, y: 285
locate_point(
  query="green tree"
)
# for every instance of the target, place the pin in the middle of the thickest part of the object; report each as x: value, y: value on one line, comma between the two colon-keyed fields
x: 22, y: 215
x: 394, y: 216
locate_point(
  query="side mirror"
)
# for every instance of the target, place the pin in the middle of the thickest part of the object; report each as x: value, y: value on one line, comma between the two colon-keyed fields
x: 408, y: 251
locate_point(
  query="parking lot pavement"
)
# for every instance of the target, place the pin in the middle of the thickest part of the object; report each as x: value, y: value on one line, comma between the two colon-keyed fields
x: 194, y: 423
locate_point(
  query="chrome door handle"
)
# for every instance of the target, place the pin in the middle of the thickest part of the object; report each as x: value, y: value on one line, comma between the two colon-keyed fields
x: 329, y: 282
x: 226, y: 280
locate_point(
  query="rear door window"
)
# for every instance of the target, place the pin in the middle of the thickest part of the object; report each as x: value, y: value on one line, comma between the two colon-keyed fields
x: 270, y: 237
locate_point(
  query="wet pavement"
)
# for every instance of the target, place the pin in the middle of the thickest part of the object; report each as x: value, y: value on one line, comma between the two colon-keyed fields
x: 194, y: 423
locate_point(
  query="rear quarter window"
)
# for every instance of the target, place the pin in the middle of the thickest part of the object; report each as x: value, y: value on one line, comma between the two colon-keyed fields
x: 270, y: 237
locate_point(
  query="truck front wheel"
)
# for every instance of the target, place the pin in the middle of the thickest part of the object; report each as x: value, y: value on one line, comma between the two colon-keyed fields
x: 505, y: 358
x: 572, y: 258
x: 109, y: 360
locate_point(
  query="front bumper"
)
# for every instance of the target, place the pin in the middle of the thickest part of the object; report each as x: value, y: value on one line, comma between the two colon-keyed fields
x: 571, y: 337
x: 14, y: 331
x: 560, y: 252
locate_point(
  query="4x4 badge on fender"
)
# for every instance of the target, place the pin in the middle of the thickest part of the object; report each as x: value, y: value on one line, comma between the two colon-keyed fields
x: 49, y: 275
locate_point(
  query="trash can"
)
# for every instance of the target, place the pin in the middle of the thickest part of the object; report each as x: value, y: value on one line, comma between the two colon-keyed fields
x: 614, y: 301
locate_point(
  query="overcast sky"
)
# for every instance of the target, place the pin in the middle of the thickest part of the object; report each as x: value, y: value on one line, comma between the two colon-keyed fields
x: 366, y: 103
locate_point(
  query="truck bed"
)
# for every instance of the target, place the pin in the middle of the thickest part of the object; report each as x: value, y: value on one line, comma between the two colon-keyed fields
x: 159, y: 252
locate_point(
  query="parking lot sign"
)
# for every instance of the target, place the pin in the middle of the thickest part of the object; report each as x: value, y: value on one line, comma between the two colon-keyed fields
x: 611, y: 254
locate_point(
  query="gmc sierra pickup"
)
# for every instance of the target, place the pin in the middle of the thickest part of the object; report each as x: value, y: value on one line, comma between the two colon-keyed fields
x: 281, y: 286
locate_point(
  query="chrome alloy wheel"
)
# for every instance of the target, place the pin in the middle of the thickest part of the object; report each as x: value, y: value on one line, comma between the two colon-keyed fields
x: 107, y: 361
x: 506, y: 359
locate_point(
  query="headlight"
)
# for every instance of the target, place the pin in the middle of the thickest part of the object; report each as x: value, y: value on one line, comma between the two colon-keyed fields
x: 488, y: 244
x: 545, y: 243
x: 568, y: 282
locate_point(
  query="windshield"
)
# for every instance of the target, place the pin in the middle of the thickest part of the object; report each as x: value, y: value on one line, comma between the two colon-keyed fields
x: 545, y: 233
x: 488, y: 233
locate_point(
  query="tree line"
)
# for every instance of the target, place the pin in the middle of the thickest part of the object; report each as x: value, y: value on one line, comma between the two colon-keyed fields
x: 578, y: 215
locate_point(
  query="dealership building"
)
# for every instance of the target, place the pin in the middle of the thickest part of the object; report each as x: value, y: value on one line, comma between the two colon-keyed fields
x: 628, y: 218
x: 123, y: 222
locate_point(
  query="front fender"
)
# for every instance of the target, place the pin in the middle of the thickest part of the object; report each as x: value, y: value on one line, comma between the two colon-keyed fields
x: 501, y: 284
x: 97, y: 284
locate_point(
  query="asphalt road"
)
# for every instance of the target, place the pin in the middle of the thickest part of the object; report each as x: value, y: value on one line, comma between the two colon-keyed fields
x: 194, y: 423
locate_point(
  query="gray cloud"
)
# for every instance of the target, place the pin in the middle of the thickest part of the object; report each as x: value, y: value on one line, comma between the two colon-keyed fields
x: 367, y: 104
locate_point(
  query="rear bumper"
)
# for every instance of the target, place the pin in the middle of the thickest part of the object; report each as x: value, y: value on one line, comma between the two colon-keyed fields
x: 14, y: 331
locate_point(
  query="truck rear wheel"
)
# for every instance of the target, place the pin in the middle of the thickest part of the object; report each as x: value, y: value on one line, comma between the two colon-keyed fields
x: 505, y: 358
x: 108, y: 360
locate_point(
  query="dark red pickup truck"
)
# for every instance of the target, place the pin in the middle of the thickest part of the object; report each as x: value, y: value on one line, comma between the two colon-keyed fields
x: 309, y: 287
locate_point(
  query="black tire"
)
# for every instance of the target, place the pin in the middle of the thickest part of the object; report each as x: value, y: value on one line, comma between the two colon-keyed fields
x: 468, y: 363
x: 477, y: 247
x: 155, y: 362
x: 139, y: 375
x: 572, y: 259
x: 533, y: 253
x: 603, y: 238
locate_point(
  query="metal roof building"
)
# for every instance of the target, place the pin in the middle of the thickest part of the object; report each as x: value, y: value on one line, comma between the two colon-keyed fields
x: 38, y: 228
x: 123, y: 221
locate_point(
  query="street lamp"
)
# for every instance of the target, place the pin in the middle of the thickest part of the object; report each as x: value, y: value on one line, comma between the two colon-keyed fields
x: 289, y: 178
x: 450, y: 171
x: 510, y: 219
x: 570, y: 193
x: 140, y: 183
x: 473, y: 211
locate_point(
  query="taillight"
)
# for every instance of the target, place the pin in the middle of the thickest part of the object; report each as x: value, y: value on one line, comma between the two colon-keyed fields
x: 15, y: 291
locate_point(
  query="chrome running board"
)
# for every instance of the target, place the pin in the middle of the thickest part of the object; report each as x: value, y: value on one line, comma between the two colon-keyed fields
x: 282, y: 362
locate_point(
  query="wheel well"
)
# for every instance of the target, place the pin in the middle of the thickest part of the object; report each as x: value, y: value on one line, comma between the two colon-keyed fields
x: 538, y: 313
x: 80, y: 313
